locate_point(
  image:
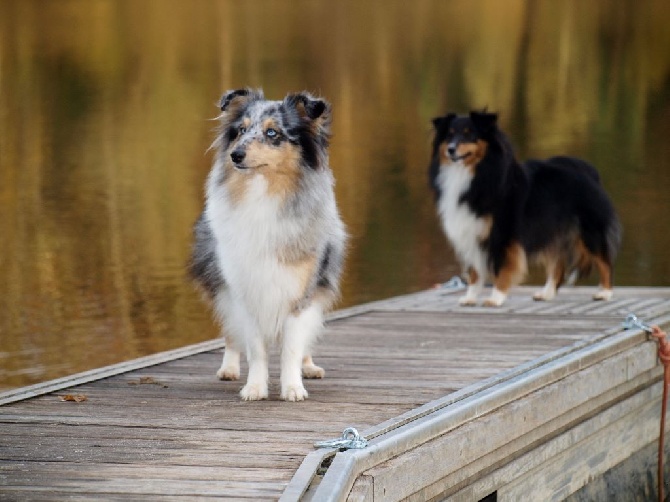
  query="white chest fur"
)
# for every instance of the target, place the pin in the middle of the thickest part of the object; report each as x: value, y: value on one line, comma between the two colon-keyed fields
x: 463, y: 228
x: 250, y: 235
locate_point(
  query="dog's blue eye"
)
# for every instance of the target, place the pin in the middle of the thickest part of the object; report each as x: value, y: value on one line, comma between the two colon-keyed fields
x: 242, y: 129
x: 271, y: 133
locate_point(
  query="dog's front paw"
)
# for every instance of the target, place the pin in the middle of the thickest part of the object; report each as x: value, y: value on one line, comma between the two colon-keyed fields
x: 496, y: 299
x: 293, y: 393
x: 467, y: 301
x: 543, y: 296
x: 230, y: 366
x: 313, y: 371
x: 254, y: 392
x: 231, y: 373
x: 603, y: 295
x: 547, y: 293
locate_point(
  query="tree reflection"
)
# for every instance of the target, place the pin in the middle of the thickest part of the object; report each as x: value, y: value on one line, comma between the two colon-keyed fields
x: 104, y: 128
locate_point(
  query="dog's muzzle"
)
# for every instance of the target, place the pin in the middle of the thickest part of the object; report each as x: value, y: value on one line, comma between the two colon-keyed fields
x: 237, y: 156
x: 451, y: 150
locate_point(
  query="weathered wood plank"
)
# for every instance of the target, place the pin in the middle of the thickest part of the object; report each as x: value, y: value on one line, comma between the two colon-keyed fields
x: 255, y: 490
x: 185, y: 433
x: 554, y: 480
x: 71, y: 472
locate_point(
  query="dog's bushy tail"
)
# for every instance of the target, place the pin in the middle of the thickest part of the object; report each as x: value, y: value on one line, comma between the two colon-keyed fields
x: 580, y: 258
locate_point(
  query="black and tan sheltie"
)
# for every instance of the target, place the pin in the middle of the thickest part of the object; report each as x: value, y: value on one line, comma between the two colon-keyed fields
x: 499, y: 214
x: 269, y: 244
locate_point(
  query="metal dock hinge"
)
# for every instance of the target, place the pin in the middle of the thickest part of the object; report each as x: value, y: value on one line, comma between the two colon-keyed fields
x: 632, y: 321
x: 350, y: 440
x: 454, y: 283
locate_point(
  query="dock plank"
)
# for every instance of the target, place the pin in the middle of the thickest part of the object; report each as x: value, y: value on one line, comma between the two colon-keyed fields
x: 182, y: 433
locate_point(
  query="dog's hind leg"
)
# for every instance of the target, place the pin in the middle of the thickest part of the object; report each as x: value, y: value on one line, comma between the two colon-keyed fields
x: 475, y: 286
x: 555, y: 271
x: 300, y: 330
x: 311, y: 370
x: 605, y: 272
x: 510, y: 274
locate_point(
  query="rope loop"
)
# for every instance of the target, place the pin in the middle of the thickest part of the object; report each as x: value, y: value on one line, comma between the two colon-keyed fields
x: 663, y: 350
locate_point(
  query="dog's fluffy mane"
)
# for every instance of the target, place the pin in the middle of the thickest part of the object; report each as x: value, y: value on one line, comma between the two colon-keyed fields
x: 499, y: 187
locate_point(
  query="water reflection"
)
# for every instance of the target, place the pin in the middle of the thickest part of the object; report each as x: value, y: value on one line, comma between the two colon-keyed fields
x: 103, y: 134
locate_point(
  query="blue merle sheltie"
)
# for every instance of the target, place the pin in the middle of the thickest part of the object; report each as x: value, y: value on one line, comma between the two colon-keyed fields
x: 270, y: 243
x: 500, y: 214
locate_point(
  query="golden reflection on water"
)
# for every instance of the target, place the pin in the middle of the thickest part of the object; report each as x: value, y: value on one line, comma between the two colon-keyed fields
x: 104, y: 128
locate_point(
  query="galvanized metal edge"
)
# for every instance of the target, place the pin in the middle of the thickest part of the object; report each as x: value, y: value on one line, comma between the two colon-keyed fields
x: 436, y: 419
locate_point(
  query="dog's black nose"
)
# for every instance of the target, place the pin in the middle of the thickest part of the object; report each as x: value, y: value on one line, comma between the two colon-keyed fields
x: 237, y: 156
x: 451, y: 149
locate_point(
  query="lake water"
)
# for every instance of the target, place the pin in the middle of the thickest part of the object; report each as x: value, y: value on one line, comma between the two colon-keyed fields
x: 105, y: 111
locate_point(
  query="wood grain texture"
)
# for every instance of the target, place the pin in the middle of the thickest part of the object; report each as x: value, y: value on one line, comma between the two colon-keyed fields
x: 186, y: 434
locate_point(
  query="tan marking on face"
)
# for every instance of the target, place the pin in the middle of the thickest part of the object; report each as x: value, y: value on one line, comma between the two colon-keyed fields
x: 514, y: 268
x: 280, y: 165
x: 476, y: 152
x: 444, y: 155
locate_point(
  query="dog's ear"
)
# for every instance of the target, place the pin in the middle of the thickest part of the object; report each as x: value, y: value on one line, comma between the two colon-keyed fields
x: 483, y: 121
x: 441, y: 122
x: 238, y: 96
x: 313, y: 112
x: 309, y: 121
x: 308, y: 106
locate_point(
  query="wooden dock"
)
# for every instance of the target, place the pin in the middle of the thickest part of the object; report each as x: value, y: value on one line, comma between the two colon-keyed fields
x: 531, y: 401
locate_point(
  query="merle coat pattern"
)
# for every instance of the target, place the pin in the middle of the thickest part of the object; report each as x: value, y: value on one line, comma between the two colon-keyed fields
x: 269, y: 245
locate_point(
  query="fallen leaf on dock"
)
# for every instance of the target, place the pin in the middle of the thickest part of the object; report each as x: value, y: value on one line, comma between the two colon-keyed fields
x: 77, y: 398
x: 147, y: 380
